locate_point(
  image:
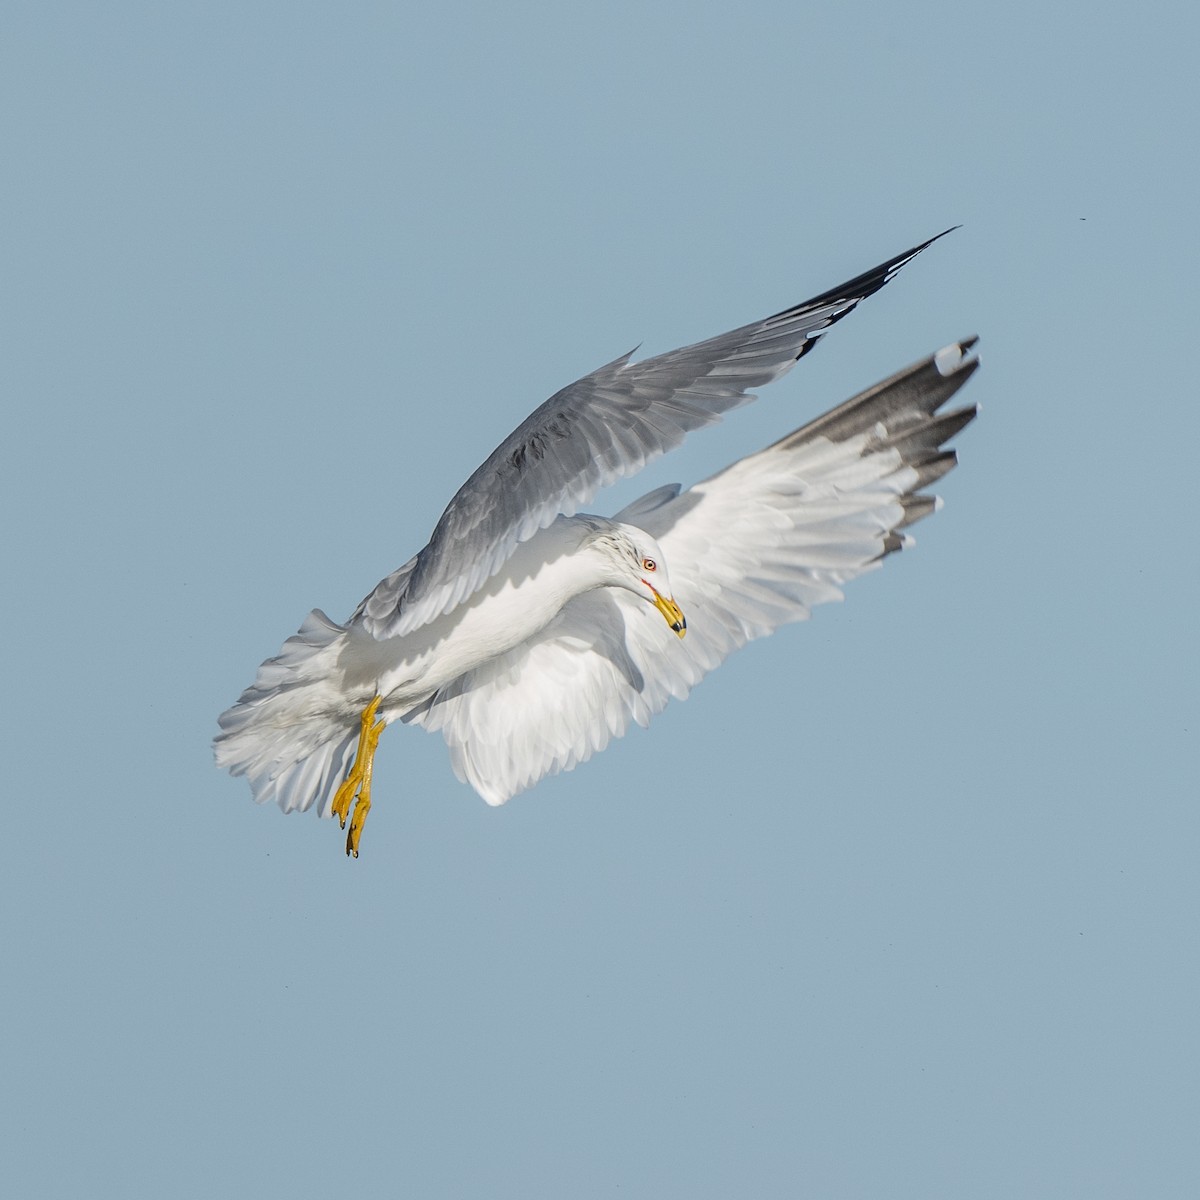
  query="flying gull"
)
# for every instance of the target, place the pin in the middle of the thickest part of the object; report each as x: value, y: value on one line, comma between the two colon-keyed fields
x: 529, y: 634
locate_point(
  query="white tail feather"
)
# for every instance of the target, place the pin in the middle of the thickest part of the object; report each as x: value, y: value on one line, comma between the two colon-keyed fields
x: 285, y: 733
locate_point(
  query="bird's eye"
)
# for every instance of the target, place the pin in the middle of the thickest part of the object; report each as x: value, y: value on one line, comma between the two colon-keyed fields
x: 648, y: 564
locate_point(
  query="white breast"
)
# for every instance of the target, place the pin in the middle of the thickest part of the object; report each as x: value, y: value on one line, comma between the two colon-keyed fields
x: 520, y: 600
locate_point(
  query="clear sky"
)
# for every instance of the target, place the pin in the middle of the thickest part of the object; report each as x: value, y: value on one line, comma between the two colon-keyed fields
x: 901, y: 903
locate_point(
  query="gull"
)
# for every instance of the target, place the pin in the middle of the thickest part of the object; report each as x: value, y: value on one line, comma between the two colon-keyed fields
x: 529, y: 633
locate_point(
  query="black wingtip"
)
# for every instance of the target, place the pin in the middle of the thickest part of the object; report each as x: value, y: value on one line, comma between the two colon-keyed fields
x: 859, y: 288
x: 935, y: 238
x: 904, y: 259
x: 901, y: 259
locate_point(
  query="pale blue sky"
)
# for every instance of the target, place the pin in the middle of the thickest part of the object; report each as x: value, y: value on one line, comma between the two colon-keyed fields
x: 901, y: 903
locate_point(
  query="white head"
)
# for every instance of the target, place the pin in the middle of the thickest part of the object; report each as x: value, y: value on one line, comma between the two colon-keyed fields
x: 637, y: 564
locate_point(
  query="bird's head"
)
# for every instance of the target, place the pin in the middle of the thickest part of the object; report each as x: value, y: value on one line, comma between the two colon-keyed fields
x: 638, y: 565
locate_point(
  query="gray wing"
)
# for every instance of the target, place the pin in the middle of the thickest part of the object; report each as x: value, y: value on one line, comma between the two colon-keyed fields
x: 606, y: 425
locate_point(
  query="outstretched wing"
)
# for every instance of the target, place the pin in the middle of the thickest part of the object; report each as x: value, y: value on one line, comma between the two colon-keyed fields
x: 750, y: 549
x: 604, y: 426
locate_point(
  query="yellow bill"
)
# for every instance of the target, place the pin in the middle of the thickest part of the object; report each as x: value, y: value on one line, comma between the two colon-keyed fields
x: 672, y: 612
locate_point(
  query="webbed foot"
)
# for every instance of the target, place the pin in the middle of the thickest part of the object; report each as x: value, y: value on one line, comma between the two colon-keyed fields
x: 358, y: 781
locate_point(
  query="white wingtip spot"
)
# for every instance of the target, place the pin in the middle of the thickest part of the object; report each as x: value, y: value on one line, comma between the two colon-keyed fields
x: 937, y: 503
x: 948, y: 359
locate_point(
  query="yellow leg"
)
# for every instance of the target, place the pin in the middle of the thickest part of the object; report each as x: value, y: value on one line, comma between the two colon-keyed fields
x: 359, y: 779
